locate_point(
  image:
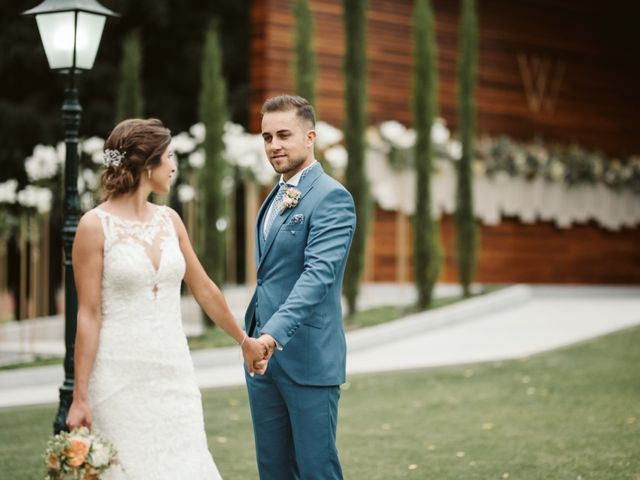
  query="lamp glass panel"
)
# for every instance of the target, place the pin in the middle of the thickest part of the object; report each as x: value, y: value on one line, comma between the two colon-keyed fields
x: 57, y: 31
x: 90, y: 28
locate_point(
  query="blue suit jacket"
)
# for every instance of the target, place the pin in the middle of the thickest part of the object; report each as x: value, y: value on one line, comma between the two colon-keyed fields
x: 300, y: 271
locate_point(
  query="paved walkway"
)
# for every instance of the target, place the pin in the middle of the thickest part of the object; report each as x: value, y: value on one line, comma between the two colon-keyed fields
x: 515, y: 322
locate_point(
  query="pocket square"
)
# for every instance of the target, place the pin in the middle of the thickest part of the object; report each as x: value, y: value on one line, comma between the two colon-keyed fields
x: 297, y: 218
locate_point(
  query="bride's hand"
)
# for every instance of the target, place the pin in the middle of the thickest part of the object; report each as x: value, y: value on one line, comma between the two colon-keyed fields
x: 260, y: 367
x: 253, y: 351
x: 79, y: 415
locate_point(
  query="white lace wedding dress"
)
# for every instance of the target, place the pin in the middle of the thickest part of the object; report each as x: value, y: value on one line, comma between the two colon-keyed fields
x: 143, y: 391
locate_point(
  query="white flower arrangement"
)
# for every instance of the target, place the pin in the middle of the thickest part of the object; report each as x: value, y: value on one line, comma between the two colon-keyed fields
x: 198, y: 132
x: 183, y: 143
x: 197, y: 159
x: 43, y: 164
x: 337, y: 156
x: 8, y: 191
x: 93, y: 145
x: 186, y: 193
x: 327, y: 135
x: 36, y: 197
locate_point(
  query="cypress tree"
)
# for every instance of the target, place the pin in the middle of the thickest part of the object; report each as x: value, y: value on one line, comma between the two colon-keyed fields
x: 466, y: 228
x: 213, y: 114
x: 355, y: 71
x: 130, y: 102
x: 305, y: 66
x: 426, y: 232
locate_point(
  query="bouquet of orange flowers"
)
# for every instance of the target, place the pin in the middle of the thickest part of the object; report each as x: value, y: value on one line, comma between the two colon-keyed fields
x: 78, y: 455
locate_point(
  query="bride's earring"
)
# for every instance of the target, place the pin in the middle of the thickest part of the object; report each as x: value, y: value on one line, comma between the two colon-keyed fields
x: 149, y: 173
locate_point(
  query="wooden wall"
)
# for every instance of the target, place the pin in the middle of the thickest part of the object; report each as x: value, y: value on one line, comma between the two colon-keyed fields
x: 513, y: 252
x: 565, y: 70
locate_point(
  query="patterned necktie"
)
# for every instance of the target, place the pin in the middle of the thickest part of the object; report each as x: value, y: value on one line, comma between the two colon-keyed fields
x: 275, y: 208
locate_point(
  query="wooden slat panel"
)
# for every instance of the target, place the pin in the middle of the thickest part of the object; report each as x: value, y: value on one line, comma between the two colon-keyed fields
x: 538, y: 253
x: 597, y: 106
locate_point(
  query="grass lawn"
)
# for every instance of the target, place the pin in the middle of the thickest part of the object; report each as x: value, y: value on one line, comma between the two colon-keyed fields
x: 570, y: 414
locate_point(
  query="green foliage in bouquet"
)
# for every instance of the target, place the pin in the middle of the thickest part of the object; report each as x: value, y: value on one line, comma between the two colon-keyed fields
x: 130, y: 103
x: 213, y: 114
x: 305, y: 66
x: 355, y: 124
x: 78, y: 455
x: 426, y: 232
x: 466, y: 228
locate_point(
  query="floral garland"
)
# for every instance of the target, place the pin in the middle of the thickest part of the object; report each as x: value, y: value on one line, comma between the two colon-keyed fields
x: 499, y: 157
x: 494, y: 157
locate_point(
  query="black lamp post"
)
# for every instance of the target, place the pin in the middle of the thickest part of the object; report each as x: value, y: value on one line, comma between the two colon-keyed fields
x: 70, y: 31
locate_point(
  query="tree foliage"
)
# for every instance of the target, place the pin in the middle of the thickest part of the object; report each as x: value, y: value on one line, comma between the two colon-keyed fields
x: 305, y: 66
x: 213, y: 114
x: 466, y: 228
x: 130, y: 103
x: 355, y: 74
x: 427, y: 245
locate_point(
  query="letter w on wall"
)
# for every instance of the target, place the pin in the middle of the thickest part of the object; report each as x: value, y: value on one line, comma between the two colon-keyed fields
x: 542, y: 79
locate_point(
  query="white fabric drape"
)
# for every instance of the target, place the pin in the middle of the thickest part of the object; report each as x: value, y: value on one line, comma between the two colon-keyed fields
x: 530, y: 201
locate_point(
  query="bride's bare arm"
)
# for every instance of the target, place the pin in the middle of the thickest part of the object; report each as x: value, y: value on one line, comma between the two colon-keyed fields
x: 87, y: 270
x: 210, y: 298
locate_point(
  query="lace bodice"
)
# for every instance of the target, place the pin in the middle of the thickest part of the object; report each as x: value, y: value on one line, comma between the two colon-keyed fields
x: 143, y: 391
x: 125, y: 239
x: 142, y: 272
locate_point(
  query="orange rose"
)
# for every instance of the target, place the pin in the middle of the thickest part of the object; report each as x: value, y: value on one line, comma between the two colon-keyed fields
x: 53, y: 462
x: 78, y: 451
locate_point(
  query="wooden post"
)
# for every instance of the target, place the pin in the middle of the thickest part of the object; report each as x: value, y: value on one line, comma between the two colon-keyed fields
x: 401, y: 247
x: 46, y: 261
x: 251, y: 213
x: 369, y: 251
x: 232, y: 277
x: 34, y: 266
x: 22, y: 247
x: 3, y: 266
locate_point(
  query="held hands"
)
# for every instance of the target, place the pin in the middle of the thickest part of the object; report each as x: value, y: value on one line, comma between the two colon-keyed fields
x: 79, y: 415
x: 269, y: 342
x: 253, y: 352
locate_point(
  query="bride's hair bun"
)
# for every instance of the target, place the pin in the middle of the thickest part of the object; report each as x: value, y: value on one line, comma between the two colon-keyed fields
x: 141, y: 144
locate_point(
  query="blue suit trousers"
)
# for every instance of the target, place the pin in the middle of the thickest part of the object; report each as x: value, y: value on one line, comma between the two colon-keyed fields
x: 294, y: 427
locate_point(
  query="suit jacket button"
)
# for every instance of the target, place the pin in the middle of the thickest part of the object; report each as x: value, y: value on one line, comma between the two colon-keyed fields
x: 259, y: 281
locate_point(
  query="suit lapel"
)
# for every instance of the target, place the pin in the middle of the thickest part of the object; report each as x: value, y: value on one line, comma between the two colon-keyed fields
x: 305, y: 186
x: 261, y: 213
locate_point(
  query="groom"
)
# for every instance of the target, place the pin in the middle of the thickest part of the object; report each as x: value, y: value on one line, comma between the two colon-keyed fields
x: 303, y: 234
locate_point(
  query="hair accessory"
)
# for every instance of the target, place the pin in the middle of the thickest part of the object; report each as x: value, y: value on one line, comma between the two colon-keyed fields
x: 112, y: 158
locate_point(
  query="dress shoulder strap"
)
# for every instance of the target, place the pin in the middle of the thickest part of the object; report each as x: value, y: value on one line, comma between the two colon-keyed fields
x: 164, y: 216
x: 107, y: 227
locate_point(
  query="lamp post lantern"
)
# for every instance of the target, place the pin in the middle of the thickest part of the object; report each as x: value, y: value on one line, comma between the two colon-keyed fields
x: 70, y: 31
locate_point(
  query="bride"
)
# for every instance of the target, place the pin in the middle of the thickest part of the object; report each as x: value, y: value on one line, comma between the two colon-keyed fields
x: 134, y: 378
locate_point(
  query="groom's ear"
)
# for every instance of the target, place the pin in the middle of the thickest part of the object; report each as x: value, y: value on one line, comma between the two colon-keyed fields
x: 311, y: 138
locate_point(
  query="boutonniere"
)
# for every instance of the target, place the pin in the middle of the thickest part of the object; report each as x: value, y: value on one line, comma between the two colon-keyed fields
x: 291, y: 198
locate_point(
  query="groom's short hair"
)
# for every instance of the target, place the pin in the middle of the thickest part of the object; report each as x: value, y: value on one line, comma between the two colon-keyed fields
x: 283, y: 103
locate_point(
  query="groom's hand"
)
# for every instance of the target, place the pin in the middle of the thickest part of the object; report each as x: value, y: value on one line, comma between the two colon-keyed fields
x: 269, y: 342
x: 253, y: 351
